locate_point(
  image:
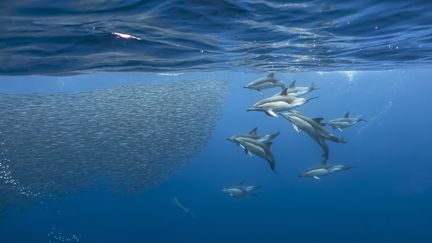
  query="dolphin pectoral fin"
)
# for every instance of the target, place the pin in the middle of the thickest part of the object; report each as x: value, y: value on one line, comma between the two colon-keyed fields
x: 296, y: 128
x: 261, y: 93
x: 339, y: 129
x: 316, y: 178
x: 271, y: 113
x: 248, y: 152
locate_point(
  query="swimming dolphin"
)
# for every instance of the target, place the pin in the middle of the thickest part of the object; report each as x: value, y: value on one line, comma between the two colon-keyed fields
x: 240, y: 191
x: 262, y: 138
x: 279, y: 102
x: 323, y: 169
x: 265, y: 83
x: 344, y: 122
x: 255, y: 147
x: 299, y: 91
x: 314, y: 128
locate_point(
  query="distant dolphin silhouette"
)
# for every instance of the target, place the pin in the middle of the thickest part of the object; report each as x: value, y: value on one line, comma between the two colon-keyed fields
x: 344, y: 122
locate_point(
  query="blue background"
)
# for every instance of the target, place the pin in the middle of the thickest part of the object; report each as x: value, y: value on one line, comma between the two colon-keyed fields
x: 385, y: 198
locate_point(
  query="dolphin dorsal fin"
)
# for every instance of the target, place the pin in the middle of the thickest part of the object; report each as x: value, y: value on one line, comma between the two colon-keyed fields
x: 284, y: 92
x: 318, y: 119
x: 346, y: 115
x: 270, y: 75
x: 253, y: 131
x: 293, y: 84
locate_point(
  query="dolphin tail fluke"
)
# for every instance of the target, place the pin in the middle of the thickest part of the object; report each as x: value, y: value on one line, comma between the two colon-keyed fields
x: 324, y: 161
x: 308, y: 99
x: 314, y: 87
x: 324, y: 147
x: 325, y: 155
x: 283, y: 85
x: 341, y: 140
x: 348, y: 167
x: 273, y: 135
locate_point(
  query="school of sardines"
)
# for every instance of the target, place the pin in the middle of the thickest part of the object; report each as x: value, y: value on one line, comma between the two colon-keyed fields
x: 284, y: 104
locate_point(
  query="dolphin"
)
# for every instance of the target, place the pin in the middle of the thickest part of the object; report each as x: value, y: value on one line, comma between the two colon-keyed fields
x: 323, y: 169
x: 344, y: 122
x: 299, y: 91
x: 314, y: 128
x: 279, y: 102
x: 267, y: 82
x: 255, y: 147
x: 240, y: 191
x: 262, y: 138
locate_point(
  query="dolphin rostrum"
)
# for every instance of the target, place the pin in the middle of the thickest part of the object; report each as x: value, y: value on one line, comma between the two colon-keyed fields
x: 256, y: 147
x: 323, y: 169
x: 314, y: 128
x: 270, y: 81
x: 344, y: 122
x: 279, y: 102
x: 240, y: 191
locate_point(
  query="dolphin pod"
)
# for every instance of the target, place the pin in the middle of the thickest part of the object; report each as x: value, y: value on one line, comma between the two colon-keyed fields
x: 283, y: 104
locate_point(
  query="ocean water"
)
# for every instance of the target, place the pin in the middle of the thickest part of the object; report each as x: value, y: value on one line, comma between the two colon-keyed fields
x: 115, y: 115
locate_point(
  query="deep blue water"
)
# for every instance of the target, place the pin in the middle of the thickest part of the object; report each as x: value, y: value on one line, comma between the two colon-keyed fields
x: 385, y: 198
x: 114, y: 119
